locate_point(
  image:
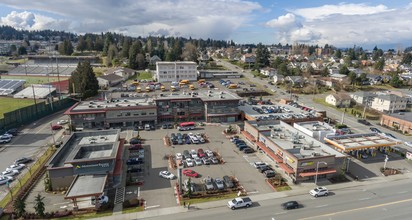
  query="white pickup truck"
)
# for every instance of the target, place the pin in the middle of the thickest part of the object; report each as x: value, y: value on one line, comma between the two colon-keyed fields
x: 239, y: 203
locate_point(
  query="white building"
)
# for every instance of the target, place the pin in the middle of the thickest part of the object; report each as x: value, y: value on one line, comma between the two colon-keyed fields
x: 389, y: 103
x: 176, y: 71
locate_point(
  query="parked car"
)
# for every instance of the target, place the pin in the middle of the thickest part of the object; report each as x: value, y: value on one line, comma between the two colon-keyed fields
x: 179, y: 156
x: 23, y: 160
x: 56, y: 127
x: 375, y: 130
x: 62, y: 122
x: 4, y: 140
x: 167, y: 175
x: 259, y: 164
x: 134, y: 161
x: 193, y: 154
x: 269, y: 173
x: 10, y: 172
x: 190, y: 162
x: 190, y: 173
x: 135, y: 141
x: 16, y: 166
x: 209, y: 183
x: 201, y: 153
x: 164, y: 126
x: 7, y: 135
x: 134, y: 169
x: 228, y: 182
x: 363, y: 121
x: 319, y: 191
x: 206, y: 161
x: 13, y: 131
x: 198, y: 161
x: 186, y: 185
x: 263, y: 168
x: 186, y: 154
x: 248, y: 150
x: 290, y: 205
x: 5, y: 179
x: 200, y: 138
x: 214, y: 160
x: 219, y: 184
x: 135, y: 147
x: 102, y: 200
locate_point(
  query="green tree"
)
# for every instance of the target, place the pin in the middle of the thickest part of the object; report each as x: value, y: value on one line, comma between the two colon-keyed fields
x: 262, y: 56
x: 363, y: 56
x: 338, y: 54
x: 344, y: 70
x: 311, y: 70
x: 275, y: 64
x: 81, y: 44
x: 39, y: 205
x: 407, y: 58
x: 380, y: 64
x: 66, y: 47
x: 83, y: 81
x: 108, y: 40
x: 19, y: 207
x: 89, y: 43
x: 376, y: 54
x: 395, y: 81
x: 352, y: 77
x: 111, y: 54
x: 13, y: 49
x: 134, y: 50
x: 141, y: 61
x: 22, y: 51
x: 283, y: 69
x: 324, y: 72
x: 125, y: 47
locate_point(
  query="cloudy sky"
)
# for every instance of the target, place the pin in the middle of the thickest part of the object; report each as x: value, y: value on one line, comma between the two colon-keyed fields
x: 386, y: 23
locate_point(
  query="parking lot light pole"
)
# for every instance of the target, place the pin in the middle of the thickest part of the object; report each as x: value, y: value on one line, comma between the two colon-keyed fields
x: 317, y: 169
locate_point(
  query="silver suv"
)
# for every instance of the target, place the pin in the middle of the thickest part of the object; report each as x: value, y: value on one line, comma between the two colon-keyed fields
x: 319, y: 191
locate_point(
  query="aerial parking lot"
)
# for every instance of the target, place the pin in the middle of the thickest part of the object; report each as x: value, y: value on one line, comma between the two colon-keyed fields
x: 160, y: 192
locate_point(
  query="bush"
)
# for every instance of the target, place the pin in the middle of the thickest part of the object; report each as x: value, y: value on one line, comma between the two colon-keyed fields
x: 126, y: 204
x: 339, y: 126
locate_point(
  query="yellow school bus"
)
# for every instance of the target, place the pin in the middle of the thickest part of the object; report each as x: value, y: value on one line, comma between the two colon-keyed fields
x: 148, y: 89
x: 201, y: 81
x: 184, y: 81
x: 173, y: 88
x: 232, y: 86
x: 163, y: 88
x: 139, y: 89
x: 192, y: 87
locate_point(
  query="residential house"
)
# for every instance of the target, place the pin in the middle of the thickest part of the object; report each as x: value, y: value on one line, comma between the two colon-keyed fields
x: 248, y: 58
x: 278, y: 79
x: 338, y: 76
x: 327, y: 81
x: 340, y: 100
x: 296, y: 81
x: 110, y: 80
x: 123, y: 72
x: 154, y: 59
x: 362, y: 97
x: 267, y: 71
x: 389, y: 103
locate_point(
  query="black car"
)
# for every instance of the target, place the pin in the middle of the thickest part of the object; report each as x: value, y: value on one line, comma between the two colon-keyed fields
x: 152, y: 127
x: 135, y: 141
x: 228, y: 182
x: 13, y: 131
x: 264, y: 168
x: 290, y: 205
x: 170, y: 126
x: 269, y: 173
x: 248, y: 150
x: 23, y: 160
x: 363, y: 121
x: 134, y: 161
x: 375, y: 130
x: 134, y: 170
x: 164, y: 126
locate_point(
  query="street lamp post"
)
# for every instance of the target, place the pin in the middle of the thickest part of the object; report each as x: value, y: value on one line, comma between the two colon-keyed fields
x: 317, y: 169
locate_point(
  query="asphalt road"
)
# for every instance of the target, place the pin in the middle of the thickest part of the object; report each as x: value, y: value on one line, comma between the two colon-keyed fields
x: 385, y: 201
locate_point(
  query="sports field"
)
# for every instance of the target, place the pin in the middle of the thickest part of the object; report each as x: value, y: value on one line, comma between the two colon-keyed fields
x: 10, y: 104
x: 35, y: 79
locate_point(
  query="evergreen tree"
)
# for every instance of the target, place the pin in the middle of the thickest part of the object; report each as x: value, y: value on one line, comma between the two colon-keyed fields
x: 84, y: 81
x: 380, y: 64
x: 125, y: 47
x: 111, y: 54
x: 324, y: 72
x: 352, y: 77
x: 395, y: 81
x: 344, y: 70
x: 66, y: 47
x: 39, y: 205
x: 19, y: 207
x: 407, y: 58
x: 89, y: 43
x: 22, y: 51
x: 262, y: 55
x: 81, y: 44
x: 338, y: 54
x: 108, y: 40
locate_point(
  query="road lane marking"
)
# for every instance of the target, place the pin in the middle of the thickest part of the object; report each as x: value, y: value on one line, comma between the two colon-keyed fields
x: 320, y: 206
x: 153, y: 206
x: 280, y: 213
x: 403, y: 192
x: 361, y: 199
x: 358, y: 209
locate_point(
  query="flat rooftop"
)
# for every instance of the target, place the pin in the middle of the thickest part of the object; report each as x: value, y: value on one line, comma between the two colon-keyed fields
x: 87, y: 185
x: 40, y: 91
x: 280, y: 111
x: 298, y: 143
x: 86, y: 146
x: 114, y: 103
x: 316, y: 126
x: 406, y: 116
x: 205, y: 95
x: 359, y: 141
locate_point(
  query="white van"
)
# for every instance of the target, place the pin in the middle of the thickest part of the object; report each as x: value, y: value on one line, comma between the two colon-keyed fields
x: 147, y: 127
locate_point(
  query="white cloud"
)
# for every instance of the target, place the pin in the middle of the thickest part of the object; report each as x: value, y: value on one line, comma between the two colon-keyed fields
x: 213, y: 18
x: 341, y: 9
x: 284, y: 21
x: 30, y: 21
x: 365, y: 25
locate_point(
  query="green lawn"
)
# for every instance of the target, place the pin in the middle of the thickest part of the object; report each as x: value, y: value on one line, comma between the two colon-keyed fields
x: 11, y: 104
x: 210, y: 199
x: 89, y: 215
x: 35, y: 79
x: 133, y: 209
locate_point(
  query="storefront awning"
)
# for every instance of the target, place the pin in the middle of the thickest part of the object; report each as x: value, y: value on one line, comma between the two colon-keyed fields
x: 270, y: 153
x: 320, y: 172
x: 248, y: 136
x: 286, y: 168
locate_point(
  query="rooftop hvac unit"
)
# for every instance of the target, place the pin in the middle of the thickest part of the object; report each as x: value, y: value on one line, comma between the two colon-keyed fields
x: 91, y: 106
x: 222, y: 97
x: 117, y: 105
x: 210, y: 95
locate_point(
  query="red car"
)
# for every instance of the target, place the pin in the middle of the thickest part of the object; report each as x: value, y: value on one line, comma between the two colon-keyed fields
x: 56, y: 127
x: 190, y: 173
x: 201, y: 153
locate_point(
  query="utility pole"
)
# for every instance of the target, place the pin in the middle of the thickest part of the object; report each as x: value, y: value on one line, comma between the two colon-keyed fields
x: 386, y: 160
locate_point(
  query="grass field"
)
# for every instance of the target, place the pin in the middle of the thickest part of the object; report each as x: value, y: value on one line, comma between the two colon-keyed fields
x: 35, y: 79
x: 11, y: 104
